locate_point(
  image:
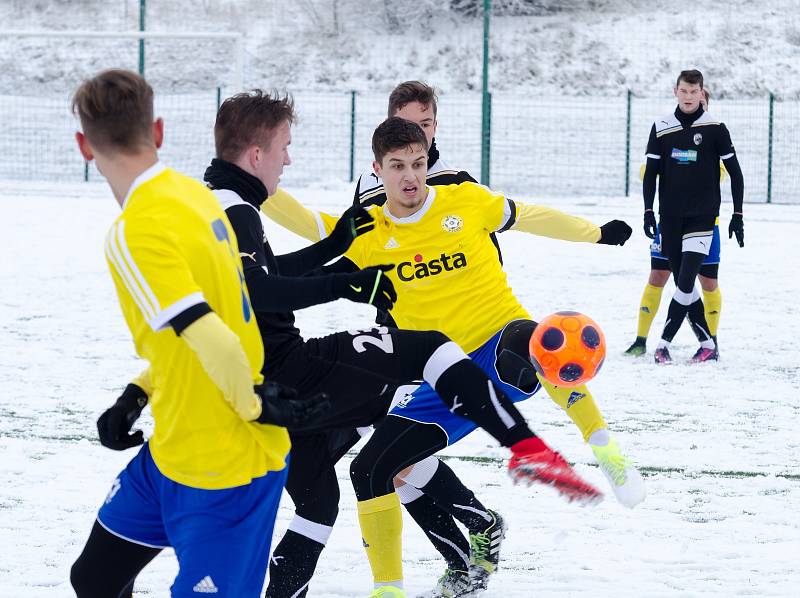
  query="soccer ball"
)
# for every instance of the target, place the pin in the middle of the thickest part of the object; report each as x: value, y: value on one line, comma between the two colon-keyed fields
x: 567, y: 348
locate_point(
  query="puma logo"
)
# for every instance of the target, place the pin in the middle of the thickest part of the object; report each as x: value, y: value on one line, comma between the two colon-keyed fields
x: 252, y: 256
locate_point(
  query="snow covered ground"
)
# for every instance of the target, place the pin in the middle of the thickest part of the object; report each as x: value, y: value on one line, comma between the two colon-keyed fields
x: 717, y: 443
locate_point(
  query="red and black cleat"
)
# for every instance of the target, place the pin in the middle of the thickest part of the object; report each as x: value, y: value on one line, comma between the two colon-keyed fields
x: 533, y: 461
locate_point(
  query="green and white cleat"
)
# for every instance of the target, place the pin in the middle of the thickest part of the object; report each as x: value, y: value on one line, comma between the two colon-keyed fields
x: 387, y: 592
x: 638, y: 348
x: 485, y: 552
x: 452, y: 584
x: 624, y: 478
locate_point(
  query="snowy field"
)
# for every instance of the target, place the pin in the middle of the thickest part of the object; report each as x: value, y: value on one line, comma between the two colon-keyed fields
x: 717, y: 443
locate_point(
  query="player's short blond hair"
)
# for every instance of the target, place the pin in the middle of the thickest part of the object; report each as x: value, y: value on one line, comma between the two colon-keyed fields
x: 248, y: 119
x: 115, y: 108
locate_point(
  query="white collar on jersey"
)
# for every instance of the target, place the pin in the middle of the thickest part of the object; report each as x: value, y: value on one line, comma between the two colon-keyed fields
x: 151, y: 173
x: 229, y: 198
x: 416, y: 216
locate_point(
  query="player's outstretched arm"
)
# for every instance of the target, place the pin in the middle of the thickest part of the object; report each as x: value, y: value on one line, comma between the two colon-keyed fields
x: 288, y: 212
x: 355, y: 221
x: 549, y: 222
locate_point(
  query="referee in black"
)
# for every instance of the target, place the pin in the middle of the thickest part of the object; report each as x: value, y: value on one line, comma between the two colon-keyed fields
x: 683, y: 153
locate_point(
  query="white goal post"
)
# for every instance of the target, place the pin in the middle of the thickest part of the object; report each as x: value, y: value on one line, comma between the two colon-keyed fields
x: 237, y: 38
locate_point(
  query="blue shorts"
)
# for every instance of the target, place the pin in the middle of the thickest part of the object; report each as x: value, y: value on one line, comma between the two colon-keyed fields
x: 424, y: 405
x: 221, y: 537
x: 711, y: 258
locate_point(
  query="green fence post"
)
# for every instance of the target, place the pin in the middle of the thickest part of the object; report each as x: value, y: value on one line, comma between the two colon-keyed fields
x: 769, y: 148
x: 142, y: 10
x: 486, y: 112
x: 219, y: 98
x: 628, y: 146
x: 352, y: 135
x: 85, y: 171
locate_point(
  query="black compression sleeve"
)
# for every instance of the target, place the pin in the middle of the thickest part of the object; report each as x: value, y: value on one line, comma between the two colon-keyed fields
x: 270, y: 293
x: 737, y: 182
x: 189, y: 316
x: 303, y: 261
x: 649, y: 183
x: 340, y: 266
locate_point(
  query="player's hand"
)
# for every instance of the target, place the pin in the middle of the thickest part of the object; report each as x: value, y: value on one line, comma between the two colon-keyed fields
x: 369, y: 285
x: 114, y: 425
x: 355, y: 221
x: 281, y: 407
x: 736, y: 227
x: 615, y: 232
x: 650, y: 224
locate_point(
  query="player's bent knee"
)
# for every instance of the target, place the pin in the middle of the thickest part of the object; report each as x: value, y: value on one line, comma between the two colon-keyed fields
x: 84, y: 580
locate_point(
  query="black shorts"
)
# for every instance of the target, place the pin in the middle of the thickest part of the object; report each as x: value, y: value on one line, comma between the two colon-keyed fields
x: 673, y: 231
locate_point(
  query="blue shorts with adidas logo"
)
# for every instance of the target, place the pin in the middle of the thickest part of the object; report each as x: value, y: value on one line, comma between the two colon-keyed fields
x: 221, y: 537
x: 424, y: 405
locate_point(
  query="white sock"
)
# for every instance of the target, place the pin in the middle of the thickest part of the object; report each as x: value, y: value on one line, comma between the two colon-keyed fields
x: 600, y: 437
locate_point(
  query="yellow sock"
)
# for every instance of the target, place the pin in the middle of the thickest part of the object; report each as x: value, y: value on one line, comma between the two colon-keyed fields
x: 381, y: 522
x: 651, y: 299
x: 712, y: 301
x: 579, y: 405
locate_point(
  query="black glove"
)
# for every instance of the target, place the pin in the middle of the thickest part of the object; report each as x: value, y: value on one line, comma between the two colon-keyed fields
x: 649, y: 224
x: 615, y: 232
x: 369, y: 285
x: 114, y: 425
x: 353, y: 222
x: 279, y: 406
x: 736, y: 227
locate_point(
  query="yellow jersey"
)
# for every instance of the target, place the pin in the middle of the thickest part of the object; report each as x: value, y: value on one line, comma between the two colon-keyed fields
x: 446, y: 274
x: 170, y: 249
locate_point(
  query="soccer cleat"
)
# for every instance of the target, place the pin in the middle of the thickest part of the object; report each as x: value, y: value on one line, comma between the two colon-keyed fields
x: 638, y: 348
x: 453, y: 583
x: 485, y: 551
x: 662, y: 356
x: 625, y: 479
x: 546, y: 466
x: 704, y: 355
x: 387, y: 592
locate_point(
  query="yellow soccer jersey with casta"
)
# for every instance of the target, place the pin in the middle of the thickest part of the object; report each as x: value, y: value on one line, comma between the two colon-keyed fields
x: 171, y: 248
x: 445, y: 264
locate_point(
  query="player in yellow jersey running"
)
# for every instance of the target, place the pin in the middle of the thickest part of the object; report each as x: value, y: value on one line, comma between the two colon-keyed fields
x: 209, y: 480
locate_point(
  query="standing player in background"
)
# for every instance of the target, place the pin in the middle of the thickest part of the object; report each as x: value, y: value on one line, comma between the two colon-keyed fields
x: 660, y: 271
x: 358, y: 370
x: 448, y: 278
x: 209, y: 480
x: 683, y: 153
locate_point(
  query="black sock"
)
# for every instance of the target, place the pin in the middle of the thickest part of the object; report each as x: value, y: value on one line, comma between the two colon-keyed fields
x: 441, y: 530
x: 697, y: 318
x: 468, y: 392
x: 292, y: 565
x: 451, y: 495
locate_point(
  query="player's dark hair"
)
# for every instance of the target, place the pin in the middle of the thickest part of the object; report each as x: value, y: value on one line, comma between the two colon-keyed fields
x: 411, y: 91
x: 396, y: 133
x: 692, y: 77
x: 115, y: 108
x: 248, y: 119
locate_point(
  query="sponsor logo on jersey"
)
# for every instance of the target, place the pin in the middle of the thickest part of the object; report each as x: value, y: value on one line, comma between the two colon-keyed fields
x: 698, y: 138
x: 452, y: 223
x: 420, y: 268
x: 684, y: 156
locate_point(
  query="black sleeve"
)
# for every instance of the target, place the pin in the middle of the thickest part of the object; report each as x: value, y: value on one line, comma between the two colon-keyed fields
x: 651, y: 169
x: 340, y: 266
x: 304, y: 261
x: 268, y: 292
x: 462, y: 176
x: 737, y: 182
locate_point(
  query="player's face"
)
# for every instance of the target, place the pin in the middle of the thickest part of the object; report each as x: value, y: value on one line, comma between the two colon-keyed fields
x: 421, y: 114
x: 403, y: 172
x: 270, y: 161
x: 689, y: 96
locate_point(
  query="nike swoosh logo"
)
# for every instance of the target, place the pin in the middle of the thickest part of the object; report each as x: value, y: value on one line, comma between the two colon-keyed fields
x: 356, y: 289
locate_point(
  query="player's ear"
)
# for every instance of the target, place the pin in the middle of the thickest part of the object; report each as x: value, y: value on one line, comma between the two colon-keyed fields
x: 158, y: 132
x: 83, y: 146
x: 376, y: 168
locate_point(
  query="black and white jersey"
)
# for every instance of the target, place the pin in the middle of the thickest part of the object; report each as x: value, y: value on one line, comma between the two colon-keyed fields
x: 688, y: 148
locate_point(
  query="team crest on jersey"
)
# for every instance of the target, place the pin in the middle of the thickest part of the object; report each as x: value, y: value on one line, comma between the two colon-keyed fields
x: 452, y: 223
x: 698, y: 138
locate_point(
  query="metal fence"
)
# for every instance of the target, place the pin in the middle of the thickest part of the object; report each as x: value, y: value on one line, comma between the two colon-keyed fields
x: 538, y: 146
